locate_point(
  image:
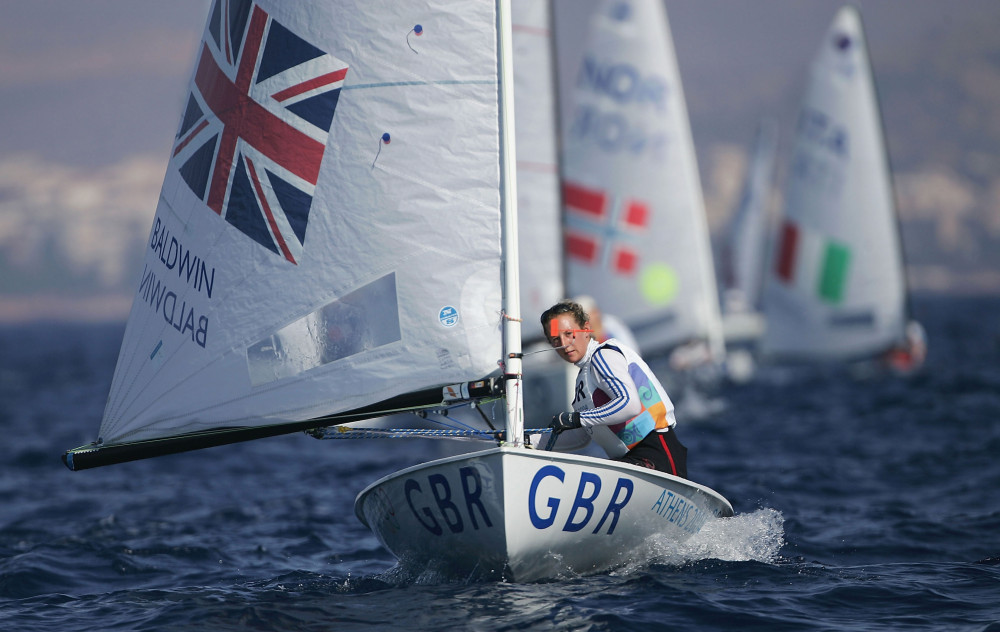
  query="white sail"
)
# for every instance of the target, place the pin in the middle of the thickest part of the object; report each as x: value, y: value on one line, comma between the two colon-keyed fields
x: 836, y: 287
x: 636, y: 233
x: 328, y: 231
x: 744, y: 256
x: 549, y: 390
x: 538, y: 203
x: 745, y: 247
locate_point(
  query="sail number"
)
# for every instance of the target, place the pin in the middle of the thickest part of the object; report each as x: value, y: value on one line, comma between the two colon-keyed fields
x: 437, y: 506
x: 544, y: 511
x: 622, y: 123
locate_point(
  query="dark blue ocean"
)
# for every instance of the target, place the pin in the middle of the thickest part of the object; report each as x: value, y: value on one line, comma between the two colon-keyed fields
x: 861, y: 505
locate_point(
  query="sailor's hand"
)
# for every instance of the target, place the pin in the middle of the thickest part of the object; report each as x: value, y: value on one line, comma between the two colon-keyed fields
x: 565, y: 421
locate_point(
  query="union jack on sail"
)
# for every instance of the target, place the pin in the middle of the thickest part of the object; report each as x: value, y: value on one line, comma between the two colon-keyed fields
x: 252, y: 137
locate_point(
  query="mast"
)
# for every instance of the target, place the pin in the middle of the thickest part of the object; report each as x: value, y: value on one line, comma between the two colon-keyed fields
x: 514, y: 417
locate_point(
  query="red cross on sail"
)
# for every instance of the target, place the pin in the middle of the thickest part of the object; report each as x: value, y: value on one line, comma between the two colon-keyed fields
x: 597, y: 227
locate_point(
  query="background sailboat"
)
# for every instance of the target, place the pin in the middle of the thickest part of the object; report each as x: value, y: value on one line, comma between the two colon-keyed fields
x: 636, y: 233
x: 744, y: 254
x: 745, y: 243
x: 836, y: 286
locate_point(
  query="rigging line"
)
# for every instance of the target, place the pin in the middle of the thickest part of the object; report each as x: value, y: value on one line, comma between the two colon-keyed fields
x: 457, y: 423
x: 217, y: 432
x: 541, y: 350
x: 198, y: 429
x: 486, y: 419
x: 438, y: 82
x: 461, y: 424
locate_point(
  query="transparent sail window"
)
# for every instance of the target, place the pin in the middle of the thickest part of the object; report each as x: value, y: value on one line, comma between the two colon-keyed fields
x: 365, y: 319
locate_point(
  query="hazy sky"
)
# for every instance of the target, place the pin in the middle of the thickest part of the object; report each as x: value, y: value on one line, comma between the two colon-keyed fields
x: 88, y: 82
x: 91, y: 93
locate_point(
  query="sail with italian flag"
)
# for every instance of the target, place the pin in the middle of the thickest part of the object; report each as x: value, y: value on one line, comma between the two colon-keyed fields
x: 835, y: 287
x: 813, y: 263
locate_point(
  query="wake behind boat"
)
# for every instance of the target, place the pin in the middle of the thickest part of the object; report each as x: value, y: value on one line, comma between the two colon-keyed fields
x: 345, y: 171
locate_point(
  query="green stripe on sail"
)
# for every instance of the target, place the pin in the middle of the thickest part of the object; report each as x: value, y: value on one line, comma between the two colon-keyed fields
x: 833, y: 276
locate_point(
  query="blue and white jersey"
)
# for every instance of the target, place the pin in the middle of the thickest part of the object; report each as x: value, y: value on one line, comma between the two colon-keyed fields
x: 619, y: 399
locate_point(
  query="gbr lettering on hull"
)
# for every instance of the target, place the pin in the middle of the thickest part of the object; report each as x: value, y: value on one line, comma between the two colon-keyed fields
x: 441, y: 505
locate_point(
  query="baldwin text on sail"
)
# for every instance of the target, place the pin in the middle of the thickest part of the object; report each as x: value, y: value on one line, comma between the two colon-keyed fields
x: 178, y: 307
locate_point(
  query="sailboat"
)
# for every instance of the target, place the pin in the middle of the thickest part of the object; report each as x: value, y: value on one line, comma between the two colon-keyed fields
x: 745, y: 245
x: 336, y: 239
x: 836, y: 285
x: 636, y: 232
x: 743, y: 257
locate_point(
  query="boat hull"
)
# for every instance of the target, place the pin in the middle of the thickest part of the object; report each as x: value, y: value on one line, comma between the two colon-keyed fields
x: 524, y: 515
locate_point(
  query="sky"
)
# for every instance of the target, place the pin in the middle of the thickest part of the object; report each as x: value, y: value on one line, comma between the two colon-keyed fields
x: 91, y: 94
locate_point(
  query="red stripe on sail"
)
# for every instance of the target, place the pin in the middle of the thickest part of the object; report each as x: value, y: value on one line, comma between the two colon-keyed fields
x: 626, y: 261
x: 637, y: 214
x: 581, y: 247
x: 268, y: 213
x: 190, y: 137
x: 578, y: 198
x: 787, y: 250
x: 306, y: 86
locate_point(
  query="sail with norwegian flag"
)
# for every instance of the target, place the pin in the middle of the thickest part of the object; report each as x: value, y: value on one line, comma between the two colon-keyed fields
x: 636, y: 232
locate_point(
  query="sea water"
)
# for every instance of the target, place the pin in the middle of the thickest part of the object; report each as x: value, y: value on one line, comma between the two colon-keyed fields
x: 861, y: 504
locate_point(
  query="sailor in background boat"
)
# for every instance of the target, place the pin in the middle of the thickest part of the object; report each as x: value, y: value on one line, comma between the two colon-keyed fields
x: 606, y: 326
x: 617, y: 398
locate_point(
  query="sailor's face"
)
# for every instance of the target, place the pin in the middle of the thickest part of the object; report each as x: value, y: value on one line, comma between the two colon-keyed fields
x: 570, y: 341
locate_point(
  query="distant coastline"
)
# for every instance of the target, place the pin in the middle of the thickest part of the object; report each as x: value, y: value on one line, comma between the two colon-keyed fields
x: 925, y: 281
x: 55, y: 308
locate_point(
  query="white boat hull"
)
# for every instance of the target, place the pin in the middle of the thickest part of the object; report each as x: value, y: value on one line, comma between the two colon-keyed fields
x: 525, y: 515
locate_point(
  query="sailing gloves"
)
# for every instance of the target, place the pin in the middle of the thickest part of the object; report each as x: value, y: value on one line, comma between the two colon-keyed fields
x: 565, y: 421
